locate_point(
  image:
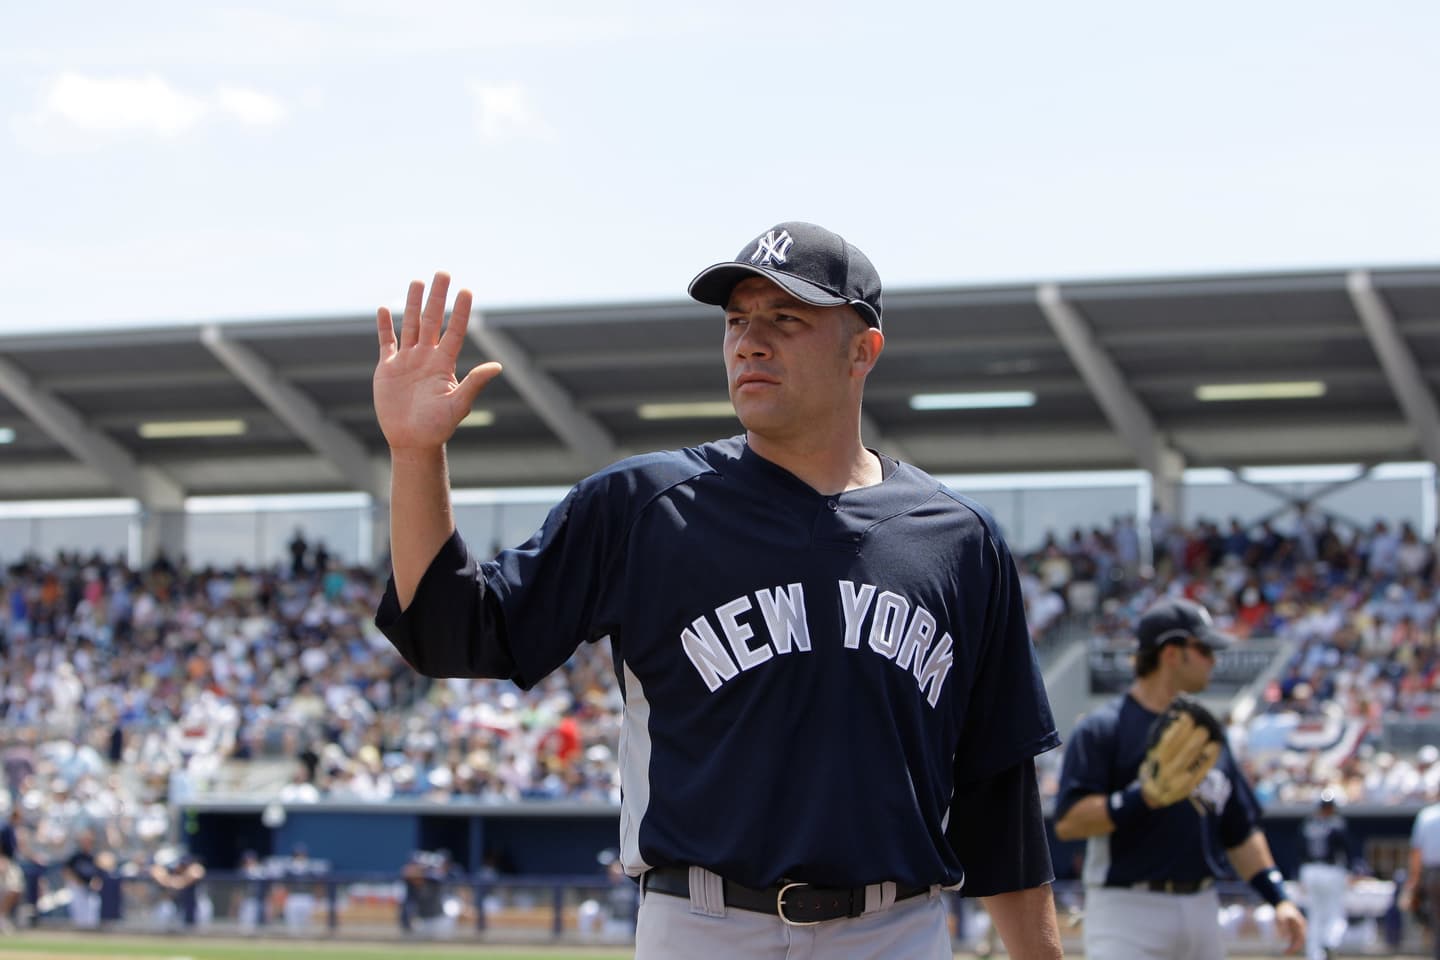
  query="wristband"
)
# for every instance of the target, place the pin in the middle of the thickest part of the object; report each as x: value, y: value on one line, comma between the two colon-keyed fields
x: 1126, y: 806
x: 1267, y: 884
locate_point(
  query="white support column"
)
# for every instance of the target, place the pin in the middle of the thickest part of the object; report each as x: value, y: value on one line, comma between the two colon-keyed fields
x: 1396, y: 358
x: 582, y: 433
x: 1127, y: 415
x: 322, y: 434
x: 159, y: 495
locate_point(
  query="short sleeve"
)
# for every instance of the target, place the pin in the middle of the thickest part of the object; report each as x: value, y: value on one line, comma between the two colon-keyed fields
x: 550, y: 588
x: 1085, y: 770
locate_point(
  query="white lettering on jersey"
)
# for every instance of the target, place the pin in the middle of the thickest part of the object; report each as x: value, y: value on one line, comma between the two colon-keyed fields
x: 936, y: 667
x: 855, y: 605
x: 1214, y: 791
x: 917, y: 638
x: 736, y: 633
x: 703, y: 648
x: 888, y: 626
x: 899, y: 629
x: 784, y: 612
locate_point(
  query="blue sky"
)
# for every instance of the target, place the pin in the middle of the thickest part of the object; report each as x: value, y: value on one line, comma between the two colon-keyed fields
x: 181, y: 162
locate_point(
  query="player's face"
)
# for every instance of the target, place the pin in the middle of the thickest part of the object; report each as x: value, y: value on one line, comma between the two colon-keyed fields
x: 792, y: 367
x: 1196, y: 663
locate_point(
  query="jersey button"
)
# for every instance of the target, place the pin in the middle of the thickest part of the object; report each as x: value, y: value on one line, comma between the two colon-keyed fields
x: 832, y: 505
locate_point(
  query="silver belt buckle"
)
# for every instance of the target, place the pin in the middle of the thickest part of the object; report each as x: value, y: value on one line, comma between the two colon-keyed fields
x: 780, y: 907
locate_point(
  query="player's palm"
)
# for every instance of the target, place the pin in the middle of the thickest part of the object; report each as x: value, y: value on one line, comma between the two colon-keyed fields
x: 418, y: 400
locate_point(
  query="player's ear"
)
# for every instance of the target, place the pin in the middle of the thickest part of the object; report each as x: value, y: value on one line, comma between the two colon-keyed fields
x: 865, y: 348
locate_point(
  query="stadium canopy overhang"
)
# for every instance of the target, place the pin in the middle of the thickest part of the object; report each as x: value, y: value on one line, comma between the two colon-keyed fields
x: 1161, y: 374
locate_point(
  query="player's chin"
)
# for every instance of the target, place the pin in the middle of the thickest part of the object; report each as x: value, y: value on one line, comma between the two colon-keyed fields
x: 755, y: 414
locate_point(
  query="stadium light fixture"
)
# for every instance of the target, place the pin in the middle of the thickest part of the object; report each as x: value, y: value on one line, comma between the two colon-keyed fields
x: 7, y: 435
x: 478, y: 418
x: 991, y: 400
x: 1275, y: 390
x: 176, y: 429
x: 702, y: 410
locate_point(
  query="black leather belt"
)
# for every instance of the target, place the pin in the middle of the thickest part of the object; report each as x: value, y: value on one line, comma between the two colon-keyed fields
x: 1167, y: 886
x: 792, y: 902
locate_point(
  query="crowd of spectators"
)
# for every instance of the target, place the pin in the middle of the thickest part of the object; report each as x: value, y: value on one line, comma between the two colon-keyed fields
x: 1355, y: 702
x: 123, y: 690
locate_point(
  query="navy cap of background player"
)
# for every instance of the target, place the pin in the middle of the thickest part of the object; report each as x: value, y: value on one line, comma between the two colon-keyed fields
x: 1173, y: 620
x: 813, y: 264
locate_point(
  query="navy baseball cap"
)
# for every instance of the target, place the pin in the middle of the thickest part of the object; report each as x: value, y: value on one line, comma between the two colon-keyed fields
x: 809, y: 262
x: 1171, y: 620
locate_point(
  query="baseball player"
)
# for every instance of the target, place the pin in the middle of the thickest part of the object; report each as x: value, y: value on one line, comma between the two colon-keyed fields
x: 1422, y: 883
x: 1163, y: 805
x: 832, y: 704
x: 1325, y: 875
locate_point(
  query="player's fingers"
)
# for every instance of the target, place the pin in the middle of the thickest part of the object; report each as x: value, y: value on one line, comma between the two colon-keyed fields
x: 434, y: 313
x: 1182, y: 757
x: 1174, y: 736
x: 385, y: 327
x: 1195, y: 741
x: 410, y: 321
x: 454, y: 337
x: 476, y: 380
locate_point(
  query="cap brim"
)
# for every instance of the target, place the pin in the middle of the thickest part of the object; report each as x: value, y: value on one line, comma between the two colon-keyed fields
x: 715, y: 283
x: 1213, y: 637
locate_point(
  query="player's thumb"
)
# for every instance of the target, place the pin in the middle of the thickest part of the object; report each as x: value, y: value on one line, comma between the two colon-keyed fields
x: 476, y: 380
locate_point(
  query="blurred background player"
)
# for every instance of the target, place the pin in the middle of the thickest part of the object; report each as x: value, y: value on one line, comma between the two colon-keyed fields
x: 299, y: 879
x: 427, y: 906
x: 1325, y: 876
x: 180, y: 878
x: 252, y: 898
x: 1151, y: 863
x: 1422, y: 885
x: 83, y: 881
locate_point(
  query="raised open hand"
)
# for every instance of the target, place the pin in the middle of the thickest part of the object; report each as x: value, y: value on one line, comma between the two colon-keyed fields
x: 418, y: 400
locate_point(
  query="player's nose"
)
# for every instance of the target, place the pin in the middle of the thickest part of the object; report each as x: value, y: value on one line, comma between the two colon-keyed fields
x: 752, y: 342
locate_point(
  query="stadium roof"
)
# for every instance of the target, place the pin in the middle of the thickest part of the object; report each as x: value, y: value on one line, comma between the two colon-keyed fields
x: 1115, y: 368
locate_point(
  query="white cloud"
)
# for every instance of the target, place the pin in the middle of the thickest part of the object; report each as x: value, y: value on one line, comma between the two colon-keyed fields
x: 506, y: 112
x: 251, y: 106
x: 122, y: 103
x: 79, y: 104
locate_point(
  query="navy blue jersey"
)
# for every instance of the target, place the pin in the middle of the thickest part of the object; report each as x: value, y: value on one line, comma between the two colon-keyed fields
x: 810, y: 682
x: 1327, y: 840
x: 1185, y: 841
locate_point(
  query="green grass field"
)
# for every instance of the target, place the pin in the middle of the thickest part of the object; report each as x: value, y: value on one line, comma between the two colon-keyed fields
x: 70, y: 947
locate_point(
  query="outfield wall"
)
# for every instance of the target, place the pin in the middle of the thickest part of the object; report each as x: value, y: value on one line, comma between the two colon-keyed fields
x: 549, y: 839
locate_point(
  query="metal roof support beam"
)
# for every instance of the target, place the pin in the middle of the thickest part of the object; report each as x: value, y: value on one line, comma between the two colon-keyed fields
x: 1398, y: 362
x: 1127, y: 415
x: 153, y: 488
x: 300, y: 413
x: 582, y: 433
x: 1310, y: 503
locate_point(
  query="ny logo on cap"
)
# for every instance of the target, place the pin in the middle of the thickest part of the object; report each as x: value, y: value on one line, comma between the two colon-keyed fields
x: 772, y: 249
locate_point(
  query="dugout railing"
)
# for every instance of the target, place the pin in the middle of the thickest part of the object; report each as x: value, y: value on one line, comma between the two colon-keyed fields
x: 568, y: 909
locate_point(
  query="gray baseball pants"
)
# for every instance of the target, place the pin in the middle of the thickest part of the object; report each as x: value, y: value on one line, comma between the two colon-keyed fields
x: 703, y: 928
x: 1140, y: 925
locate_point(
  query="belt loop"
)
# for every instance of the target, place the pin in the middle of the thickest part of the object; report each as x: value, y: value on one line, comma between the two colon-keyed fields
x: 707, y: 893
x: 879, y: 896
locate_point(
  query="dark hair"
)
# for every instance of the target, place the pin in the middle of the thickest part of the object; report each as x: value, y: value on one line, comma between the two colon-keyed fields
x: 1147, y: 661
